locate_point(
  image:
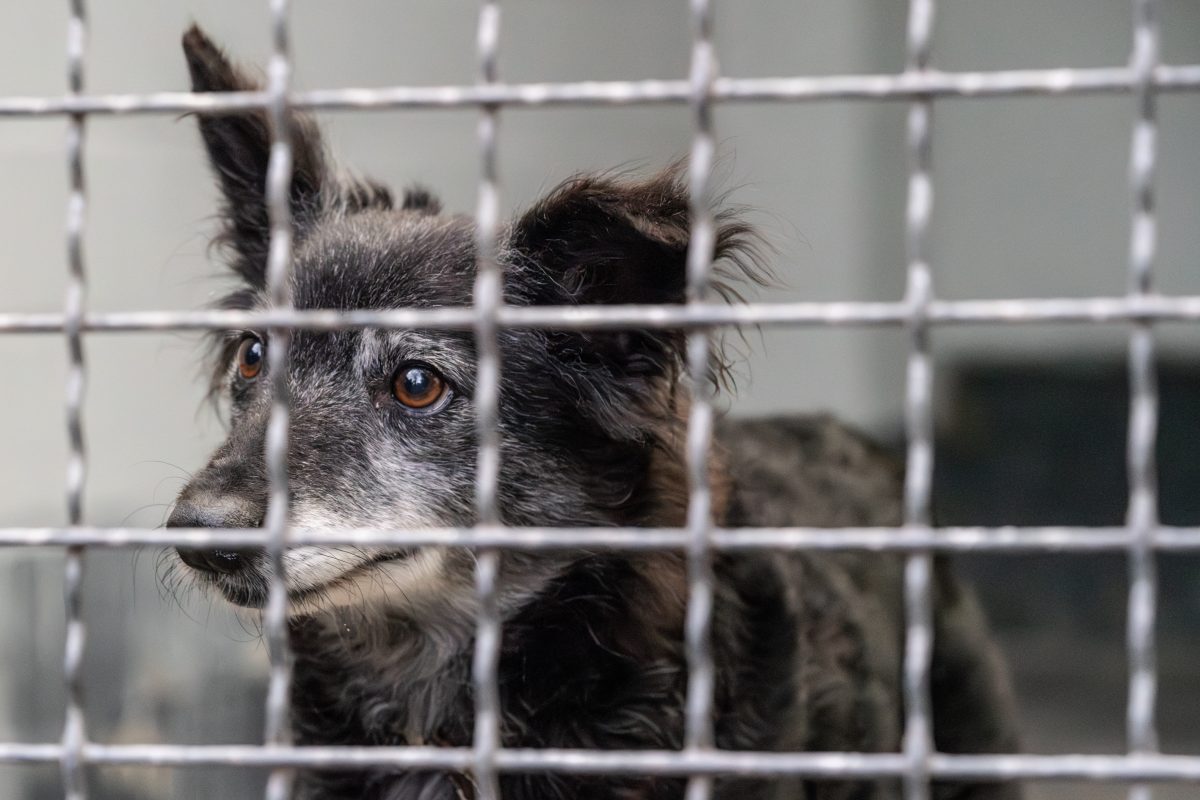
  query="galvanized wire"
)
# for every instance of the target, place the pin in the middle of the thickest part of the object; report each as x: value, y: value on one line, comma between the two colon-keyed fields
x: 1009, y: 539
x: 698, y: 707
x: 1017, y: 311
x: 279, y: 294
x: 903, y: 87
x: 918, y: 403
x: 1143, y: 409
x: 1135, y: 768
x: 74, y: 736
x: 488, y: 298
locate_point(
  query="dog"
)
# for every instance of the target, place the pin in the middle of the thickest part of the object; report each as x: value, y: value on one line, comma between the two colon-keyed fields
x: 807, y: 646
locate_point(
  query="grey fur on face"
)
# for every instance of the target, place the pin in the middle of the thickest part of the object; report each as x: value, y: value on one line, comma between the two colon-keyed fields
x: 807, y: 647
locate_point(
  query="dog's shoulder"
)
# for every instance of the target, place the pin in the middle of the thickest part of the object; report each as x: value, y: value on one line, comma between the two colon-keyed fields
x: 807, y: 470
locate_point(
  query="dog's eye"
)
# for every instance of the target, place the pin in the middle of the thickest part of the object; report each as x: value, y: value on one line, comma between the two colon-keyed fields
x: 250, y: 356
x: 419, y: 387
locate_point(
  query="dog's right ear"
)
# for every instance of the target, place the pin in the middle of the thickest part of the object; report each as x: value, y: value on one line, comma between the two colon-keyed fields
x: 239, y: 149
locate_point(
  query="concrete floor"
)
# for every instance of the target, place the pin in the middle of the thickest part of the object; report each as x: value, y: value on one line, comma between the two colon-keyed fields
x: 1072, y: 694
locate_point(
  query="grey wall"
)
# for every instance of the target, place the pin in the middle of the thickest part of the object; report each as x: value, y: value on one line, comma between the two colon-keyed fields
x: 1031, y: 201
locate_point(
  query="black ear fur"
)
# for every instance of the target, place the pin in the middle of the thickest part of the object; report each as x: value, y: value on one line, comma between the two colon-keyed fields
x: 239, y: 149
x: 602, y: 239
x: 596, y: 239
x: 418, y: 198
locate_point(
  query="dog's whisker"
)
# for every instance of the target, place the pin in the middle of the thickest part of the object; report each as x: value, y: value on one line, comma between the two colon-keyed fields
x: 140, y: 509
x: 187, y: 476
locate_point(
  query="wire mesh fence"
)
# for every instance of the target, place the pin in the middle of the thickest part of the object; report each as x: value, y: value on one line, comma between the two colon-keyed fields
x: 922, y: 88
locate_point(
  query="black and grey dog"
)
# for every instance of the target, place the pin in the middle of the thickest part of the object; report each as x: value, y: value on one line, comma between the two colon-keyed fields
x: 807, y: 646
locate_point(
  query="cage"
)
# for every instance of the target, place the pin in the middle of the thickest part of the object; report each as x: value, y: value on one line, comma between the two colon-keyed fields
x: 985, y: 334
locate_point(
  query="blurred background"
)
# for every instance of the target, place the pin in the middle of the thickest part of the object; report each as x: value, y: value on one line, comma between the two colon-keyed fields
x: 1031, y: 201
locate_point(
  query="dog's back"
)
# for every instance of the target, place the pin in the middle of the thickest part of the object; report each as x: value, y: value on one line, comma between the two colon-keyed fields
x: 812, y: 471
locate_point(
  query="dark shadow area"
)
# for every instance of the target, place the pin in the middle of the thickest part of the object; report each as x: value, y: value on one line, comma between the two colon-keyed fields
x: 1025, y: 444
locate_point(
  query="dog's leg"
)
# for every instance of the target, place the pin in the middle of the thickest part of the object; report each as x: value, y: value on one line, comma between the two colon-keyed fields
x: 974, y: 710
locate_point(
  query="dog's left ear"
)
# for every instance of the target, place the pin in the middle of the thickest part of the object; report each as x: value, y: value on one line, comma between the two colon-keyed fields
x: 239, y: 149
x: 606, y: 240
x: 597, y: 239
x: 602, y: 240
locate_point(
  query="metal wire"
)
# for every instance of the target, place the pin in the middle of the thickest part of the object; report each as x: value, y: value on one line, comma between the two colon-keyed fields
x: 1141, y: 538
x: 488, y: 298
x: 279, y: 293
x: 74, y: 736
x: 949, y: 540
x: 1096, y: 768
x: 1024, y: 311
x: 903, y: 87
x: 1143, y: 410
x: 698, y: 707
x: 918, y: 484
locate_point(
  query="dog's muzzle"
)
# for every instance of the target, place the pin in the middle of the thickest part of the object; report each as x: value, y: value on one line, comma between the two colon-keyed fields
x: 211, y: 510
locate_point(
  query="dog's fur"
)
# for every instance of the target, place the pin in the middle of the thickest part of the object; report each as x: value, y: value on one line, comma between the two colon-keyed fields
x: 807, y: 646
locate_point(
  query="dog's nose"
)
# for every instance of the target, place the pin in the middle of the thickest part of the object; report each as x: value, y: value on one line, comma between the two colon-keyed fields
x: 225, y: 562
x: 208, y: 510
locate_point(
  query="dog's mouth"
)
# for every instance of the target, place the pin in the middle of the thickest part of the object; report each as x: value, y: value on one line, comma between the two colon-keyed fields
x: 250, y: 588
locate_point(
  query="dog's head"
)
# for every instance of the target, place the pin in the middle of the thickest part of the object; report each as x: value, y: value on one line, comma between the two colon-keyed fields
x: 382, y: 429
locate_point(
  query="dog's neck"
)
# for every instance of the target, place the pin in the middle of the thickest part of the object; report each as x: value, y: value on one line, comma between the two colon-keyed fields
x: 389, y: 680
x: 389, y: 677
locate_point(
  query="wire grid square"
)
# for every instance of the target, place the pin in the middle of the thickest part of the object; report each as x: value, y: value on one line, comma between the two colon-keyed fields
x: 918, y: 762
